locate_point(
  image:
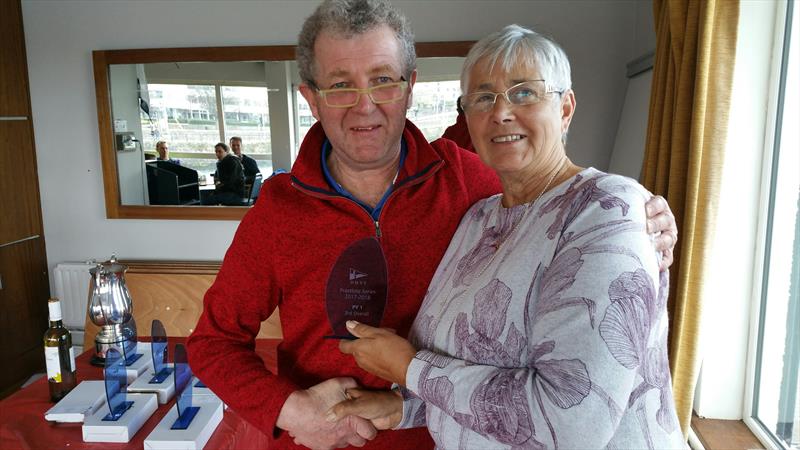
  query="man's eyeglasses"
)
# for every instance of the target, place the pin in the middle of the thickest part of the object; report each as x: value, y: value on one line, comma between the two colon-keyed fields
x: 380, y: 94
x: 525, y: 93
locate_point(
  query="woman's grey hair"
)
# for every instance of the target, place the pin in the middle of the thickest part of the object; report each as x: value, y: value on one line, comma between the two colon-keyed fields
x: 348, y: 18
x: 513, y: 46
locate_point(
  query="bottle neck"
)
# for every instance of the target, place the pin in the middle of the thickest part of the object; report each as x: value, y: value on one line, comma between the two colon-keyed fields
x: 54, y: 308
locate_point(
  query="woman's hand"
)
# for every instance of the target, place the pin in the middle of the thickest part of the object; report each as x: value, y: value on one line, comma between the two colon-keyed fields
x: 379, y: 351
x: 660, y: 218
x: 383, y: 408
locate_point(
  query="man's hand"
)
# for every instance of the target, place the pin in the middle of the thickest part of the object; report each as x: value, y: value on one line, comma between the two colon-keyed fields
x: 303, y: 417
x: 660, y: 218
x: 383, y: 408
x: 379, y: 351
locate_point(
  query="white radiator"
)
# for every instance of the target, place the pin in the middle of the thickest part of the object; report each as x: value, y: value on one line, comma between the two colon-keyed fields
x: 72, y: 287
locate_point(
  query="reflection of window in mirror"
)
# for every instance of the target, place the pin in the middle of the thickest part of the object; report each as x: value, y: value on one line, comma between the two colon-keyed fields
x: 187, y: 116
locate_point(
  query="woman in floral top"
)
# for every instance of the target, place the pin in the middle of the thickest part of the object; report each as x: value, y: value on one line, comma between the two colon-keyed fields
x: 545, y: 325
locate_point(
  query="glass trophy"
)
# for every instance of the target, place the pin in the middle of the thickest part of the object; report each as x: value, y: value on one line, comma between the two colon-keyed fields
x: 158, y: 349
x: 357, y: 287
x: 116, y: 380
x: 126, y: 412
x: 191, y: 421
x: 129, y: 344
x: 183, y: 390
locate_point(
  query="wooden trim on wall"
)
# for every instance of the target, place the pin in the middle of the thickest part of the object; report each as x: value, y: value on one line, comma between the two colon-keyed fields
x: 171, y: 267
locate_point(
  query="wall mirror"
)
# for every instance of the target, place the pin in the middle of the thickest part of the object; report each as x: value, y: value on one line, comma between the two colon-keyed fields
x: 192, y: 98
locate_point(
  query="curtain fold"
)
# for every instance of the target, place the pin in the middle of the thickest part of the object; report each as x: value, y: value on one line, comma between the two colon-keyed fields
x: 687, y: 130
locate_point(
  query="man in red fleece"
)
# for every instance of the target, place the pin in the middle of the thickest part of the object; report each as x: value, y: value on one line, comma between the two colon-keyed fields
x: 362, y: 171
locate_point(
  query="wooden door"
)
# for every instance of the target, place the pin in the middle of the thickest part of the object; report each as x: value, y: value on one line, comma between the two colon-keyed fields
x: 23, y: 315
x: 24, y: 285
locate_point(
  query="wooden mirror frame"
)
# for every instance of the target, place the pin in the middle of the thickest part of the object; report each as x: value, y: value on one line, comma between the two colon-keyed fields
x: 103, y: 58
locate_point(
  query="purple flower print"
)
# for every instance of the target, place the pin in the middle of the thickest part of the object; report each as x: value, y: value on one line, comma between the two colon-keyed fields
x: 500, y: 408
x: 556, y: 279
x: 475, y: 261
x: 626, y: 329
x: 576, y: 199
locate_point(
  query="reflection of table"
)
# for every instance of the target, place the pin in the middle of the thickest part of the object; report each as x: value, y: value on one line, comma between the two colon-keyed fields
x: 22, y: 423
x: 206, y: 190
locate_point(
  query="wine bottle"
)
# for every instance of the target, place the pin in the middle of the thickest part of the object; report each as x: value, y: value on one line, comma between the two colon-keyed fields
x: 58, y: 354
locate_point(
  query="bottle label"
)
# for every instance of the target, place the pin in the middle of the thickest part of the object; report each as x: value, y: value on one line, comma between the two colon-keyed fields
x: 72, y: 359
x: 53, y: 364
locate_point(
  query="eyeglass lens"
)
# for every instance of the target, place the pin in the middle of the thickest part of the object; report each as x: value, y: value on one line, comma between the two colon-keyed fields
x: 378, y: 94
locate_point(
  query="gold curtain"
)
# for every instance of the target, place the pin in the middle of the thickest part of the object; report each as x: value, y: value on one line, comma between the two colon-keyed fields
x: 689, y: 103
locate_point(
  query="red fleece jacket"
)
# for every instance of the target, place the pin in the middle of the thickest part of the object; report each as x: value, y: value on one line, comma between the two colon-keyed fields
x: 282, y: 254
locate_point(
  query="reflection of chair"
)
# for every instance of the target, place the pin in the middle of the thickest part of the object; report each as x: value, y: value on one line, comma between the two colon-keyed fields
x: 171, y: 184
x: 253, y: 192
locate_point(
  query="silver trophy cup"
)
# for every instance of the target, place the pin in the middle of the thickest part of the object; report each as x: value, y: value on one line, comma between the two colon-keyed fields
x: 111, y: 308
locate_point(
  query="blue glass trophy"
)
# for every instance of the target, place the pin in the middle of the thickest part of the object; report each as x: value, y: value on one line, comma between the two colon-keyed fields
x: 192, y: 420
x: 183, y: 377
x: 125, y: 413
x: 158, y: 378
x: 158, y: 349
x: 129, y: 346
x: 116, y: 381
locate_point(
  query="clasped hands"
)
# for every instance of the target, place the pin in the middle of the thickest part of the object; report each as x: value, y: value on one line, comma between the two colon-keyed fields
x: 337, y: 413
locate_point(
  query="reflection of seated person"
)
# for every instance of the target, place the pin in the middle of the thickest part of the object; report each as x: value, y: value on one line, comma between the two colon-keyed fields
x: 163, y: 153
x: 249, y: 164
x: 228, y: 179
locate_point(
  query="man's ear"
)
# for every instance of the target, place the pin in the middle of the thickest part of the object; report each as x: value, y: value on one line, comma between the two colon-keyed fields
x: 412, y: 80
x: 308, y: 93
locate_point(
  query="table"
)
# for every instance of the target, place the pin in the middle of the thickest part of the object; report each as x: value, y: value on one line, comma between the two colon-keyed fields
x: 22, y: 424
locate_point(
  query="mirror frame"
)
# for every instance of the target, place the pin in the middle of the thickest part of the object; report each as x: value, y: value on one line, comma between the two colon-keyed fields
x: 103, y: 58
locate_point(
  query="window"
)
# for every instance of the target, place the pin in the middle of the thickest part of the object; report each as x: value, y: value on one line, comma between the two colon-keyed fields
x: 192, y: 118
x: 776, y: 384
x: 434, y: 107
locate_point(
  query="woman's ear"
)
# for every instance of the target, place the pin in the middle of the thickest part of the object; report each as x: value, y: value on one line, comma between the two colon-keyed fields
x: 567, y: 109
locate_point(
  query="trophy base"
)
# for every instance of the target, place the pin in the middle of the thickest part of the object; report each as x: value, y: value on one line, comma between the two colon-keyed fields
x: 196, y: 435
x: 164, y: 390
x: 95, y: 429
x: 142, y: 363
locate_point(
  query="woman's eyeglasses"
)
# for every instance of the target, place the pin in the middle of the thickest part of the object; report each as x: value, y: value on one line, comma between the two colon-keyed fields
x: 525, y: 93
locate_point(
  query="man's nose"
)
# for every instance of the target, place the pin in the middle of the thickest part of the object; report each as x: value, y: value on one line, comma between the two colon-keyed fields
x: 364, y: 103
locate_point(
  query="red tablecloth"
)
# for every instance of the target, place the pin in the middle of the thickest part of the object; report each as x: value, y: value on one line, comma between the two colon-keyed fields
x: 22, y: 424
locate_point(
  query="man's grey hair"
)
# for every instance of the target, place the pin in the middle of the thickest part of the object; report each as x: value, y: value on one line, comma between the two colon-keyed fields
x: 348, y: 18
x: 514, y: 46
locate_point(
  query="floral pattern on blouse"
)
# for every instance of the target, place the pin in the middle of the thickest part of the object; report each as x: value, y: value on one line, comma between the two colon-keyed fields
x: 545, y: 326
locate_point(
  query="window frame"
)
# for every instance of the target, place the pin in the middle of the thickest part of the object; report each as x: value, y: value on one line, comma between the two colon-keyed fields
x: 761, y: 261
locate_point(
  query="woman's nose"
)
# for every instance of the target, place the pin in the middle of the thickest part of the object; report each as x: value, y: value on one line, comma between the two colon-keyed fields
x: 502, y: 109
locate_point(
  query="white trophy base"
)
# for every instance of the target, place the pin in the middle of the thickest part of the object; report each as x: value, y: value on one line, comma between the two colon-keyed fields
x: 122, y: 430
x: 196, y: 435
x: 200, y: 391
x: 164, y: 390
x: 80, y: 403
